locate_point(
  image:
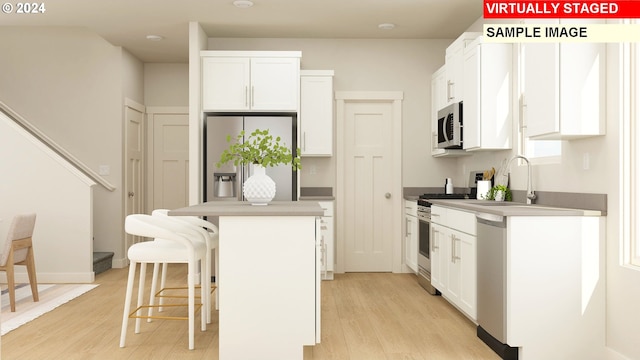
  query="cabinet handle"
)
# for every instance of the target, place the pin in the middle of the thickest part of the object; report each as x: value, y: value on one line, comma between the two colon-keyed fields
x: 406, y: 227
x: 523, y: 112
x: 433, y: 241
x: 454, y: 255
x: 252, y: 96
x: 304, y: 141
x: 453, y: 249
x: 246, y: 96
x: 450, y: 95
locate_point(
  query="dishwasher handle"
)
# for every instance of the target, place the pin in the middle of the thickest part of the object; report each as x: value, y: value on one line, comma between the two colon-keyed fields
x: 492, y: 219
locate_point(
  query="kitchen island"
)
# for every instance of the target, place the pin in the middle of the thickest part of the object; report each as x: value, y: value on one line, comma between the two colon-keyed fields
x: 269, y: 281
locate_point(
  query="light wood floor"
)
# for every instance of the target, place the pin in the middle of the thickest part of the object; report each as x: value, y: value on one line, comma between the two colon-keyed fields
x: 364, y: 316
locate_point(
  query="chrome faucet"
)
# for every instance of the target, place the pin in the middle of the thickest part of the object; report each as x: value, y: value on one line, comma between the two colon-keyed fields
x: 530, y: 193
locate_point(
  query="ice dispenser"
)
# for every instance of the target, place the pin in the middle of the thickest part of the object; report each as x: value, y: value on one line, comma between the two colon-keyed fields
x: 224, y: 185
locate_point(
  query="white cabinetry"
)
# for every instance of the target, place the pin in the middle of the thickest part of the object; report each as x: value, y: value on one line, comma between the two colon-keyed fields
x: 327, y: 240
x: 454, y: 64
x: 487, y: 110
x: 453, y: 257
x: 316, y: 112
x: 411, y: 235
x: 439, y: 101
x: 564, y: 88
x: 250, y: 81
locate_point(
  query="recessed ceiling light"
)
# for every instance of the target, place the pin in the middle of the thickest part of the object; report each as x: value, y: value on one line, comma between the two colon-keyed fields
x: 243, y: 3
x: 154, y: 37
x: 386, y: 26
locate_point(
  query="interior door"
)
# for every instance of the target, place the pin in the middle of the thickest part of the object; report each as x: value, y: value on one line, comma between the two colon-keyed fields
x: 170, y: 183
x: 134, y: 119
x: 368, y: 182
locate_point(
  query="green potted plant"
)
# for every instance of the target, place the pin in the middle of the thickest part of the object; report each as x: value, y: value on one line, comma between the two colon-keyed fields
x: 499, y: 193
x: 260, y: 150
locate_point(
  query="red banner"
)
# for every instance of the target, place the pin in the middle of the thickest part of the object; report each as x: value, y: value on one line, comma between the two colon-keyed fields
x: 518, y: 9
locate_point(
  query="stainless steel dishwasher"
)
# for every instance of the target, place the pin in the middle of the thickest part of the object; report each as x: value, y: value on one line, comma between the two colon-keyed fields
x: 492, y: 284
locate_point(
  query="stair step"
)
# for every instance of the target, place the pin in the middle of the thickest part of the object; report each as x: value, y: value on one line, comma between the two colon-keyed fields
x: 101, y: 261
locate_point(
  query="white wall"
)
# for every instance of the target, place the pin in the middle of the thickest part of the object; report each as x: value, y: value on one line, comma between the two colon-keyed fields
x: 70, y: 84
x: 166, y: 84
x: 62, y: 202
x: 372, y: 65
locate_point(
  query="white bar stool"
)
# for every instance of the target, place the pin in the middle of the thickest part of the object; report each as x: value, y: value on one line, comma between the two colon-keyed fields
x: 181, y: 244
x: 210, y: 232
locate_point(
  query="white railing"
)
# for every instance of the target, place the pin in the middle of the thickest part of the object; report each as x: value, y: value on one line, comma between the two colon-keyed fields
x: 55, y: 147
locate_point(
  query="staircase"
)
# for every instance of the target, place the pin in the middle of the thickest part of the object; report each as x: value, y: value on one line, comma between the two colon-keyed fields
x: 101, y: 262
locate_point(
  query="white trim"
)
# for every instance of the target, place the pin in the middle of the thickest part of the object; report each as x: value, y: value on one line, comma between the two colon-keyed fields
x: 369, y: 95
x: 394, y: 97
x: 54, y: 147
x: 271, y: 54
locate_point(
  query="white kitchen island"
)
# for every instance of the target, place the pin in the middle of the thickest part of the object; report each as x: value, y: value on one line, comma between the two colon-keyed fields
x: 269, y: 281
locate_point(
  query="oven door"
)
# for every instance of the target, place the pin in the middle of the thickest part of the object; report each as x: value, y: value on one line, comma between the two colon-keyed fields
x: 424, y: 255
x: 424, y: 244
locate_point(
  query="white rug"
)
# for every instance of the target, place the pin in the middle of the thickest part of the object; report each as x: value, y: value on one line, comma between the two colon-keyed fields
x: 51, y: 296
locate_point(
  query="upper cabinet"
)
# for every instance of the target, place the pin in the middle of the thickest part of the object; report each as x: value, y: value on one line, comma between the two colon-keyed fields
x: 250, y: 80
x: 454, y: 63
x: 488, y: 104
x: 316, y: 112
x: 439, y: 101
x: 564, y: 88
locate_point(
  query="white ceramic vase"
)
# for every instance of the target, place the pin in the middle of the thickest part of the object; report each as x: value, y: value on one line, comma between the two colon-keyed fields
x: 259, y: 188
x: 499, y: 195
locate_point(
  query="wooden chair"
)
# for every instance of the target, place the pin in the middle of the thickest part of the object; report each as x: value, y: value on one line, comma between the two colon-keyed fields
x: 18, y: 250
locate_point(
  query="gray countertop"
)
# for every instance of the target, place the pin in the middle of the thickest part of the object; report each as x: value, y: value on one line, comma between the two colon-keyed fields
x: 507, y: 208
x: 241, y: 208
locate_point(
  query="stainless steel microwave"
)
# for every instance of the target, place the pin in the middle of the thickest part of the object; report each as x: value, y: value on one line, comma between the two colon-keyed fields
x: 450, y: 126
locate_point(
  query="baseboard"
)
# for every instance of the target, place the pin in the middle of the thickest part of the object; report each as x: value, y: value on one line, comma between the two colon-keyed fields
x: 54, y: 278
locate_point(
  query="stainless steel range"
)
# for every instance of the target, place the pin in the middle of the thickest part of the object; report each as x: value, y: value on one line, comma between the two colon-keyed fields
x: 424, y: 236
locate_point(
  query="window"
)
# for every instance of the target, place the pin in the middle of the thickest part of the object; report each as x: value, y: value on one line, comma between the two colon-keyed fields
x: 630, y: 153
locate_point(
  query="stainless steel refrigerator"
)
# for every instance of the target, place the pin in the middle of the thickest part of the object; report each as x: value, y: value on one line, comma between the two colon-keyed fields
x: 225, y: 183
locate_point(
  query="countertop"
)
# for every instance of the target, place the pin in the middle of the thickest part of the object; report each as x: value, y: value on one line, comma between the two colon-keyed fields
x: 274, y: 208
x: 507, y: 208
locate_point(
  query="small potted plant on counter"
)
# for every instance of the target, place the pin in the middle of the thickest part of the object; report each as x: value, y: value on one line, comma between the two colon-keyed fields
x: 499, y: 193
x: 260, y: 150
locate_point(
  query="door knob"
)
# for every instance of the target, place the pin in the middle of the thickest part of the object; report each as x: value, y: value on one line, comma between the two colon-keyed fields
x: 131, y: 194
x: 387, y: 195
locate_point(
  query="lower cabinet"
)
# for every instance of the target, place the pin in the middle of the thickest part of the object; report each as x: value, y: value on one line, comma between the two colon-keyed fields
x: 327, y: 240
x: 411, y: 235
x: 453, y: 257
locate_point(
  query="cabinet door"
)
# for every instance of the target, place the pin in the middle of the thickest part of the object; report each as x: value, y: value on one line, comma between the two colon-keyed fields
x: 316, y: 115
x: 225, y: 83
x: 454, y: 68
x: 487, y: 110
x: 411, y: 243
x: 275, y: 83
x: 564, y: 92
x: 326, y: 229
x: 438, y: 261
x: 438, y: 101
x: 453, y: 265
x: 466, y: 248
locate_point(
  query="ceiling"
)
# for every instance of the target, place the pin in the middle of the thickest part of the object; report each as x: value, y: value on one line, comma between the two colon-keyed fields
x: 127, y: 23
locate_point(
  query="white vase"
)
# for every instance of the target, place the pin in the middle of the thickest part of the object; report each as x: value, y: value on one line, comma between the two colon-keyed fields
x: 499, y: 195
x: 259, y: 188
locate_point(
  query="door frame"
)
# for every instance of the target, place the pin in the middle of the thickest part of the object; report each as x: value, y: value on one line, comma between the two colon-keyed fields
x: 152, y: 111
x: 132, y: 104
x: 395, y: 99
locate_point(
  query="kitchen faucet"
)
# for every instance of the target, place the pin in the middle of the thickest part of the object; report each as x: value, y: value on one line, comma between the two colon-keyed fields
x: 530, y: 193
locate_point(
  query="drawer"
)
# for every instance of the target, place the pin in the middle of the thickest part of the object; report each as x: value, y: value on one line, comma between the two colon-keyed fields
x: 411, y: 207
